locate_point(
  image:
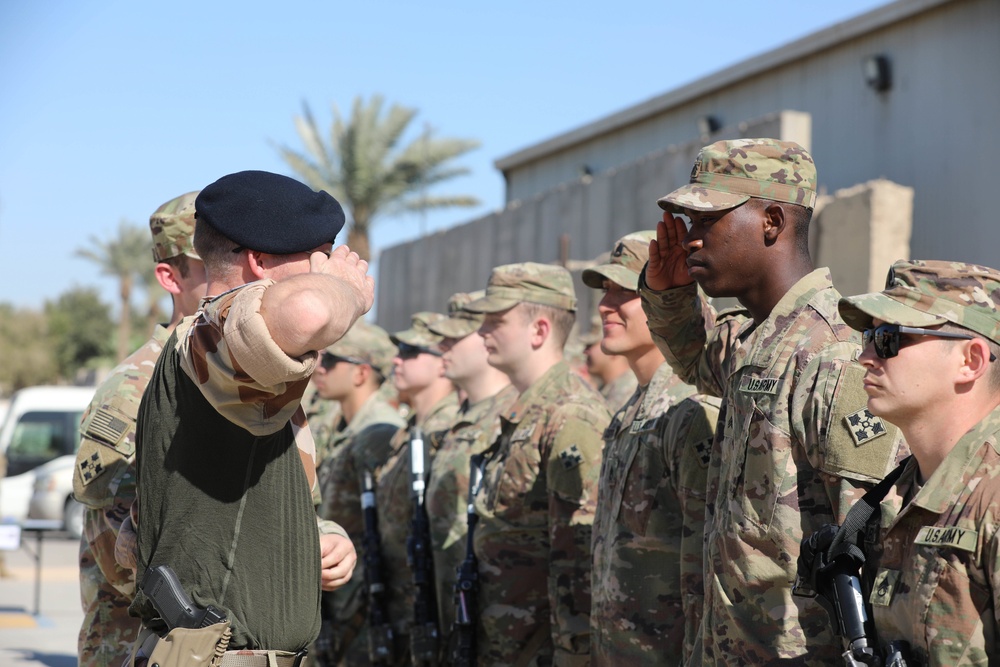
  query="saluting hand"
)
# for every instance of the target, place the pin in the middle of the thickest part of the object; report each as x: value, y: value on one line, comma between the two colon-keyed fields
x: 667, y: 266
x: 337, y: 561
x: 345, y: 264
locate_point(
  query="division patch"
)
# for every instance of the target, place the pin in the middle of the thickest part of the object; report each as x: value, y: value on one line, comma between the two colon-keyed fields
x: 864, y: 426
x: 570, y: 457
x: 91, y: 467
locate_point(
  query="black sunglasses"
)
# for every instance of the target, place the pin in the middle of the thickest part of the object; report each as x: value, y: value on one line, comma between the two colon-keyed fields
x: 328, y: 361
x: 887, y: 339
x: 407, y: 351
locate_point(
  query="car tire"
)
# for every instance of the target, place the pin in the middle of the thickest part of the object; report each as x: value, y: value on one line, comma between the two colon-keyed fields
x: 73, y: 519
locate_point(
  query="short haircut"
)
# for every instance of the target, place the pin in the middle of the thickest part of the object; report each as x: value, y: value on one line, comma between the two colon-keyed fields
x: 179, y: 262
x: 215, y: 249
x: 562, y: 320
x: 798, y: 218
x: 993, y: 375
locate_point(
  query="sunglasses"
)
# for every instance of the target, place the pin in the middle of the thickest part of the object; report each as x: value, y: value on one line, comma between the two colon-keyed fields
x: 407, y: 351
x: 887, y: 338
x: 328, y: 361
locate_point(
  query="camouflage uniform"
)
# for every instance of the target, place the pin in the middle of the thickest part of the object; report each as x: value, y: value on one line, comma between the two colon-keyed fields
x: 934, y: 572
x: 474, y: 429
x: 617, y: 392
x: 350, y: 448
x: 650, y: 519
x: 393, y: 491
x: 104, y: 478
x: 537, y: 500
x: 796, y: 446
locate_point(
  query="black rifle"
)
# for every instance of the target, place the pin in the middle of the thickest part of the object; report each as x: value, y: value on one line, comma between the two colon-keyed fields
x: 380, y: 635
x: 467, y: 585
x: 424, y: 634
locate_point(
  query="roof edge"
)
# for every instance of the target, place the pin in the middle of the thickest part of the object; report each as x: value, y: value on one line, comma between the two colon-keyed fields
x: 805, y: 46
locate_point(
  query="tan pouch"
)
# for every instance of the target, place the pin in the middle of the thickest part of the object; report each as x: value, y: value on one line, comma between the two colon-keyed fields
x: 186, y: 647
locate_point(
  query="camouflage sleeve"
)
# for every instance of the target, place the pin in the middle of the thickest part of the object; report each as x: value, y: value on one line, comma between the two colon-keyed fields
x: 688, y: 438
x: 307, y: 452
x: 573, y: 465
x: 693, y: 338
x: 842, y: 439
x: 230, y: 355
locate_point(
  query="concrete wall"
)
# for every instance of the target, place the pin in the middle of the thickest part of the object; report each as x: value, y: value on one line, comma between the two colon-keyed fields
x: 588, y: 215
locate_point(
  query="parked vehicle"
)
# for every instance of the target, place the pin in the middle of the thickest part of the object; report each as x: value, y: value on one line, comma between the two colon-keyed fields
x: 52, y: 497
x: 42, y: 424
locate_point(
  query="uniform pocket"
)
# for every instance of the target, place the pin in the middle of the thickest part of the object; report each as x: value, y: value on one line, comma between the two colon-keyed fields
x: 516, y: 481
x: 767, y: 451
x: 644, y: 478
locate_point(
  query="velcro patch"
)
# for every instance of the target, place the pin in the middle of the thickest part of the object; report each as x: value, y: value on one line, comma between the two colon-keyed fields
x: 522, y: 433
x: 92, y: 467
x: 571, y: 457
x: 864, y: 426
x: 752, y: 385
x: 883, y: 586
x: 106, y: 427
x: 704, y: 449
x: 948, y: 536
x: 643, y: 425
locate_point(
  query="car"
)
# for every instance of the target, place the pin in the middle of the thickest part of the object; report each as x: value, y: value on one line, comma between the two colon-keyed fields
x: 52, y: 498
x: 42, y: 424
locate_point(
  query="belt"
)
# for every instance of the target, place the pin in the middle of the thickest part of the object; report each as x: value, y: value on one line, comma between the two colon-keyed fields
x: 248, y: 658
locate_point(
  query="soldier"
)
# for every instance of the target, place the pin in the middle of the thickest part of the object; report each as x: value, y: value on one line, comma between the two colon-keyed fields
x: 224, y: 456
x: 487, y: 392
x: 419, y: 376
x: 650, y: 519
x: 350, y: 373
x: 785, y: 458
x: 104, y: 478
x: 611, y: 372
x: 932, y: 338
x: 539, y: 491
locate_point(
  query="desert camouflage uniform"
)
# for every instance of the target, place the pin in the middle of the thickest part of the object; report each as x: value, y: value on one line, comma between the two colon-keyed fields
x: 537, y: 506
x: 104, y: 481
x: 363, y: 444
x: 619, y: 390
x: 475, y: 428
x: 795, y: 448
x: 257, y: 399
x: 395, y: 514
x: 649, y: 524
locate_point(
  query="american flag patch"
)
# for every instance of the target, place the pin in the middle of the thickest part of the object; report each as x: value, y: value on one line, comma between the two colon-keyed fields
x: 105, y: 426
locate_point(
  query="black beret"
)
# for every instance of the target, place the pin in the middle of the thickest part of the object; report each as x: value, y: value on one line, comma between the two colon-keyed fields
x: 269, y: 212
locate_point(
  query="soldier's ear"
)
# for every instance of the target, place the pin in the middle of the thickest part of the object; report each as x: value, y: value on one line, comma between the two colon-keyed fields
x: 169, y: 277
x: 774, y: 222
x: 255, y: 262
x: 540, y: 329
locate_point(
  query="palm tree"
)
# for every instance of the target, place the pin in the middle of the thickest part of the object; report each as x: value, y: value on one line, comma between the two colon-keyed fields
x: 368, y: 170
x: 125, y: 257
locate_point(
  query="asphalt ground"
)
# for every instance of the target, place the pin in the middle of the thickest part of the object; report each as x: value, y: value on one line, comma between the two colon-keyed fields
x: 48, y: 638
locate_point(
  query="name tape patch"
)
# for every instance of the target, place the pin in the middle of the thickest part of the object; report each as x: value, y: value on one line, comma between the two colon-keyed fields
x: 751, y: 385
x: 948, y: 536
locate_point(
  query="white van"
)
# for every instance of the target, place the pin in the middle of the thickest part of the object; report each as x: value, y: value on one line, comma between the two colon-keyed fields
x: 42, y: 424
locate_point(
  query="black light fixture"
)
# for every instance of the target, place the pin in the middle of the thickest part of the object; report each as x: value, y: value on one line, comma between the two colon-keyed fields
x: 708, y: 124
x: 878, y: 72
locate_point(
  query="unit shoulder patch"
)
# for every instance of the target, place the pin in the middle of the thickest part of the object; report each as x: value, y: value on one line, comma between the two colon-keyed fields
x: 92, y: 466
x: 864, y: 426
x: 570, y: 457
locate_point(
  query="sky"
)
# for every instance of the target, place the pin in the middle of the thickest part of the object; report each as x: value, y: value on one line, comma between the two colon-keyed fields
x: 108, y: 109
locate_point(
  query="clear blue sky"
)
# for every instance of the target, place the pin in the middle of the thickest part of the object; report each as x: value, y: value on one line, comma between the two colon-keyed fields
x: 108, y: 109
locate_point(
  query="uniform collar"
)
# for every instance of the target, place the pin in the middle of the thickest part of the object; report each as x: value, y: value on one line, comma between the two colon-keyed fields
x: 536, y: 391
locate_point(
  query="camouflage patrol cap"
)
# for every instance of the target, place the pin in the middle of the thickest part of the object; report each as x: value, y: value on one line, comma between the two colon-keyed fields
x: 926, y: 293
x: 625, y: 264
x: 419, y: 334
x: 460, y: 322
x: 728, y: 173
x: 368, y: 344
x: 172, y: 227
x: 511, y: 284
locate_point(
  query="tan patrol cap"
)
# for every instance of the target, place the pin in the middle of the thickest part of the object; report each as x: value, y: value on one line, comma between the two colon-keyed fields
x: 367, y: 344
x: 419, y: 334
x: 172, y: 227
x: 511, y: 284
x: 625, y: 264
x: 460, y: 322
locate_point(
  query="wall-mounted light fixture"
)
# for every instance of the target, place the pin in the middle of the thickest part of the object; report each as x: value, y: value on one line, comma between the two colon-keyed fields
x: 585, y: 171
x: 878, y: 72
x: 708, y: 124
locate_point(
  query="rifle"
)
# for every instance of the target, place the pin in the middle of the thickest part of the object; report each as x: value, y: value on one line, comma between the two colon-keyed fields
x: 380, y: 635
x: 467, y: 585
x: 424, y: 633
